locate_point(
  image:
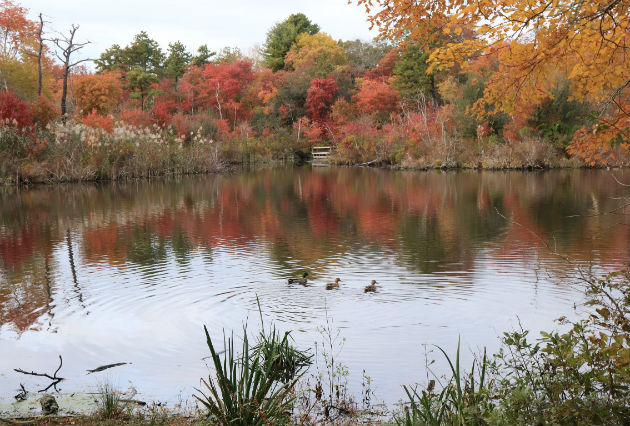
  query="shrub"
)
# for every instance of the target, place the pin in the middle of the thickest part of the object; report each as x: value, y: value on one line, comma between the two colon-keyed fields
x: 183, y: 126
x: 136, y: 118
x: 254, y: 387
x: 163, y: 112
x: 97, y: 121
x: 578, y: 377
x: 43, y: 112
x: 14, y: 111
x: 207, y: 124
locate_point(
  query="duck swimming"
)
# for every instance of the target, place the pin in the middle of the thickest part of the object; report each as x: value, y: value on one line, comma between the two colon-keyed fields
x: 302, y: 280
x: 331, y: 286
x: 370, y: 288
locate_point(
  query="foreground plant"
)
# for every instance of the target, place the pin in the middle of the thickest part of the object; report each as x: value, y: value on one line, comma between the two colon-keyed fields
x: 580, y: 376
x: 255, y: 387
x: 109, y: 402
x: 460, y: 402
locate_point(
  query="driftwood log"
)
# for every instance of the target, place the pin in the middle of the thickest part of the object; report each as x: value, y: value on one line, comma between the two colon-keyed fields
x: 105, y: 367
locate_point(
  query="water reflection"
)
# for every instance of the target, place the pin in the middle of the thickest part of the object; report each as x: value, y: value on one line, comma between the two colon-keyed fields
x: 118, y: 257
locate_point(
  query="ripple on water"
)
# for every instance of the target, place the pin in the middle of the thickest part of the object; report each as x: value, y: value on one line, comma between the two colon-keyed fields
x: 152, y: 268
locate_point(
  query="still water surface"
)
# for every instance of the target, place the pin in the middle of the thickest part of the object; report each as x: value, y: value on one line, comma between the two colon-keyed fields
x: 129, y: 272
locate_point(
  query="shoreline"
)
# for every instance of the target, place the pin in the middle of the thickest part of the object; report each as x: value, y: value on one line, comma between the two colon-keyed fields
x: 230, y: 168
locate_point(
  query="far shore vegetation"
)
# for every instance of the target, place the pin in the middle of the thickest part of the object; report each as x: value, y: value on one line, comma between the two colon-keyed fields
x: 143, y: 109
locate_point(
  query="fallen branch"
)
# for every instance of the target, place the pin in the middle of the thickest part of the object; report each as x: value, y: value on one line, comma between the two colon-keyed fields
x: 22, y: 393
x: 55, y: 380
x: 105, y: 367
x: 134, y: 401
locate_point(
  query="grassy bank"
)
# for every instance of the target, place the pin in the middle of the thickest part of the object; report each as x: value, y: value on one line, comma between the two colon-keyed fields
x: 449, y: 151
x: 71, y: 152
x: 74, y: 152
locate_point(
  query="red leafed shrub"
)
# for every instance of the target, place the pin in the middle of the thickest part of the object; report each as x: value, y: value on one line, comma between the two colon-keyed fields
x: 163, y: 112
x: 14, y: 111
x: 319, y: 98
x: 377, y: 97
x: 183, y: 126
x: 43, y: 112
x: 385, y: 68
x: 223, y: 126
x: 136, y: 117
x: 97, y: 121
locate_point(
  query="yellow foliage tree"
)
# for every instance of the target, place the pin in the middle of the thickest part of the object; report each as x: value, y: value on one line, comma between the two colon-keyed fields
x: 318, y: 54
x: 587, y: 41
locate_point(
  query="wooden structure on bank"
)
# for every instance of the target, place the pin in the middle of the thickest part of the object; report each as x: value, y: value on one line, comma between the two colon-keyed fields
x: 320, y: 155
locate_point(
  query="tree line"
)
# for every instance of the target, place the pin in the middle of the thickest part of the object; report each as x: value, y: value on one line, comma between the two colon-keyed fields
x: 442, y: 95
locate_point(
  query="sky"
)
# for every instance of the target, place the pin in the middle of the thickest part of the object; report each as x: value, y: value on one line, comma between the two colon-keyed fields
x: 235, y: 23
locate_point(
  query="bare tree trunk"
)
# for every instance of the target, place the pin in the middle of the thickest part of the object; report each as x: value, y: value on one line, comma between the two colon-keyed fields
x: 67, y: 47
x: 40, y: 33
x: 64, y: 92
x: 216, y: 95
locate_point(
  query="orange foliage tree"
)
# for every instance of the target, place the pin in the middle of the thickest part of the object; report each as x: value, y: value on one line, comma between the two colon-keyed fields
x: 588, y: 41
x: 99, y: 92
x: 377, y: 97
x: 16, y: 30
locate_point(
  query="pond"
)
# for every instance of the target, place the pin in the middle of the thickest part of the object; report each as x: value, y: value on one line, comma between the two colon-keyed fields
x: 130, y: 272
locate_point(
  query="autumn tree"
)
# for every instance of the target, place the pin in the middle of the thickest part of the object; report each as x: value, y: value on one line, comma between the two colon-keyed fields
x: 377, y: 98
x: 319, y: 98
x: 17, y: 42
x: 97, y: 92
x: 141, y: 62
x: 16, y: 30
x: 225, y: 84
x: 14, y: 110
x: 281, y: 37
x: 191, y: 87
x: 587, y: 40
x: 318, y: 55
x: 384, y: 70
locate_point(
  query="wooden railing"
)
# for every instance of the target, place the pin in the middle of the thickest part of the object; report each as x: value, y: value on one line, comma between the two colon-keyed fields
x: 320, y: 155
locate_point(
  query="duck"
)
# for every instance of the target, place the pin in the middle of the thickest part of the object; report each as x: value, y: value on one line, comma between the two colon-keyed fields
x: 370, y: 288
x: 331, y: 286
x: 302, y: 280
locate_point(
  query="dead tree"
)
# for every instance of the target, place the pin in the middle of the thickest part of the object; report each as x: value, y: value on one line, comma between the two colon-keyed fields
x: 66, y: 46
x: 39, y: 36
x: 40, y: 51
